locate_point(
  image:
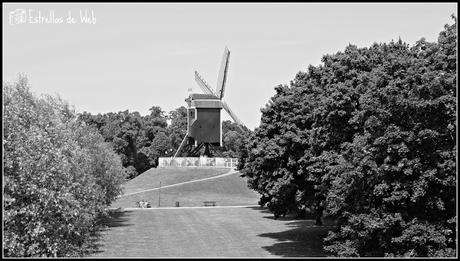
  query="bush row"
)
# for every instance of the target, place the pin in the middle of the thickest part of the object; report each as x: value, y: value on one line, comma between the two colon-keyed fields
x: 59, y: 175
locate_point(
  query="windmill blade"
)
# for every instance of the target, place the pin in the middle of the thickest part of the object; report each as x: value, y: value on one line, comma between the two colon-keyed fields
x: 233, y: 115
x: 181, y: 145
x: 203, y: 85
x: 222, y: 78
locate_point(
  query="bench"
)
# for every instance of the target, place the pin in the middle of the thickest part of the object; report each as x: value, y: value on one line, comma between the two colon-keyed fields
x: 209, y: 203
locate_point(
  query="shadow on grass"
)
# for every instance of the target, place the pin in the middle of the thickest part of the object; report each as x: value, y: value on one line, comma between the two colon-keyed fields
x: 301, y: 239
x: 116, y: 219
x: 270, y: 215
x: 113, y: 219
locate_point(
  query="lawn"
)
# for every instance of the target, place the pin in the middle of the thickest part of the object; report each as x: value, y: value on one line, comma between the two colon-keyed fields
x: 209, y: 232
x: 168, y: 176
x: 229, y: 190
x: 202, y: 232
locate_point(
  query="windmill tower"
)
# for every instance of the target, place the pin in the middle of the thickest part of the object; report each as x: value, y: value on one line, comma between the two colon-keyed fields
x: 204, y: 125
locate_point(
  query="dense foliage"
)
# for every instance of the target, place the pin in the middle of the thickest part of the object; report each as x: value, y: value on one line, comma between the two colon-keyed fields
x: 141, y: 140
x: 368, y: 137
x: 59, y: 176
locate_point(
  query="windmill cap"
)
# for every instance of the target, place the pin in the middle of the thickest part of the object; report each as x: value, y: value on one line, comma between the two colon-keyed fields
x: 201, y: 96
x: 206, y: 104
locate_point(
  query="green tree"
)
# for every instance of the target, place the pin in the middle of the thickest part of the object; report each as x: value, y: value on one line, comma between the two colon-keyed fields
x: 403, y: 161
x: 368, y: 137
x: 59, y: 176
x: 233, y: 139
x: 132, y: 136
x: 177, y: 128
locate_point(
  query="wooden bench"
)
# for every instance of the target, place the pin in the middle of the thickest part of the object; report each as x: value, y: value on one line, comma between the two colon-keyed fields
x: 209, y: 203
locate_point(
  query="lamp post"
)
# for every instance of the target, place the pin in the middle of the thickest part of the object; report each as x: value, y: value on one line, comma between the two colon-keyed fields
x: 159, y: 195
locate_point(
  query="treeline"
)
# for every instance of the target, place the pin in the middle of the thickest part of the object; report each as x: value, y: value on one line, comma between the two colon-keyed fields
x: 141, y: 140
x: 59, y: 176
x: 368, y: 138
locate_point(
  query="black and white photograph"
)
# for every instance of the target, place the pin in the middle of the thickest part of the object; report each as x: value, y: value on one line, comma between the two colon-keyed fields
x: 229, y: 130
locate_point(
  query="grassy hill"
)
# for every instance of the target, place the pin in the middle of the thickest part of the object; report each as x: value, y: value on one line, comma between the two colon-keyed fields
x: 228, y: 190
x: 168, y: 176
x: 171, y: 231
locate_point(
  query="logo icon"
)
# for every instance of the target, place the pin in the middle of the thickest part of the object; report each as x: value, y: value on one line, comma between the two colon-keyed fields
x: 18, y: 16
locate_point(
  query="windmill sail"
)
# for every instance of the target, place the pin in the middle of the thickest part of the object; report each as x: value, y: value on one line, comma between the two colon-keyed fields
x: 181, y: 145
x: 222, y: 78
x: 203, y: 85
x: 220, y: 91
x: 233, y: 115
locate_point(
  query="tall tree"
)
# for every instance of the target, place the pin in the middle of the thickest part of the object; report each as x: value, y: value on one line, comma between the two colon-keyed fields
x: 59, y: 176
x: 368, y: 137
x: 177, y: 128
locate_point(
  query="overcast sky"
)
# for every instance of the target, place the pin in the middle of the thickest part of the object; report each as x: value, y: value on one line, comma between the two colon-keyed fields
x: 135, y: 56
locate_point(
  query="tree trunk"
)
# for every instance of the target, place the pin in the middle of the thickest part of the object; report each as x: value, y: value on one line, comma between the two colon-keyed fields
x: 319, y: 214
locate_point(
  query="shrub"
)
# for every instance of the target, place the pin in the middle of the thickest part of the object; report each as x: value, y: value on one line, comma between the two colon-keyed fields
x: 59, y: 175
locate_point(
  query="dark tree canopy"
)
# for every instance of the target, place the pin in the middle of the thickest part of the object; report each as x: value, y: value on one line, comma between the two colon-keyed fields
x: 178, y: 126
x: 369, y: 137
x: 139, y: 140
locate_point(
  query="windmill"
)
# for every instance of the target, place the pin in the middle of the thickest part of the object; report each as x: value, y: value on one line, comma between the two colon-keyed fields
x: 204, y: 125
